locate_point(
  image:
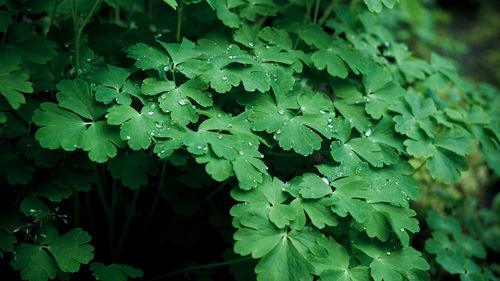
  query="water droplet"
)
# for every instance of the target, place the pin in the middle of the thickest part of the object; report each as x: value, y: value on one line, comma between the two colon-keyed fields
x: 150, y: 113
x: 165, y: 68
x: 250, y: 144
x: 322, y: 111
x: 127, y: 137
x: 283, y: 189
x: 386, y: 44
x: 229, y: 125
x: 325, y: 180
x: 231, y: 57
x: 199, y: 147
x: 388, y: 253
x: 224, y: 77
x: 402, y: 229
x: 267, y: 46
x: 281, y: 112
x: 219, y: 137
x: 251, y: 44
x: 89, y: 59
x: 183, y: 101
x: 278, y: 132
x: 368, y: 132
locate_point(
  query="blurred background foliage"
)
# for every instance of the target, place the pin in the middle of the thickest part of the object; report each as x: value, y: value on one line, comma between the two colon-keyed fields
x: 468, y: 32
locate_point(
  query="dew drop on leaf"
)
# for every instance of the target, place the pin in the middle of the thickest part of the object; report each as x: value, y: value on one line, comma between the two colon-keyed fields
x: 324, y: 179
x: 183, y: 101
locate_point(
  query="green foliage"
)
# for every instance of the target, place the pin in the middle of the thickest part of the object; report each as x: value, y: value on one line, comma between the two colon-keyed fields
x: 312, y: 111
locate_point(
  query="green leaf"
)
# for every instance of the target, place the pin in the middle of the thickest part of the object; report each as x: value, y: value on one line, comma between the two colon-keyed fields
x: 71, y: 250
x: 310, y: 186
x: 100, y: 140
x: 376, y: 5
x: 34, y: 262
x: 13, y: 81
x: 171, y: 3
x: 390, y: 265
x: 114, y: 272
x: 34, y: 207
x: 75, y: 95
x: 269, y: 196
x: 29, y: 46
x: 133, y: 168
x: 178, y: 101
x: 148, y: 57
x: 415, y: 113
x: 136, y: 128
x: 112, y: 85
x: 223, y: 13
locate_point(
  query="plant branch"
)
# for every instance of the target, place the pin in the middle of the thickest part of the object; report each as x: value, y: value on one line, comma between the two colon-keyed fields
x: 126, y: 225
x: 327, y: 12
x: 179, y: 21
x: 316, y: 11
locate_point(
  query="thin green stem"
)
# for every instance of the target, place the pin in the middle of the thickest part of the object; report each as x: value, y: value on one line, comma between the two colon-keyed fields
x: 126, y: 225
x: 111, y: 225
x: 76, y: 208
x: 179, y: 21
x: 212, y: 194
x: 89, y: 15
x: 53, y: 13
x: 157, y: 197
x: 102, y: 195
x: 326, y: 14
x: 206, y: 113
x: 316, y: 11
x: 419, y: 167
x: 76, y: 29
x: 204, y: 266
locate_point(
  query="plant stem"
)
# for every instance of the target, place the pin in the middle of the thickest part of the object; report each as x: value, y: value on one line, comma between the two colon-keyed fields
x: 78, y: 29
x: 179, y: 21
x: 111, y: 232
x: 87, y: 18
x: 204, y: 266
x: 102, y: 196
x: 212, y: 194
x: 419, y: 167
x: 327, y: 12
x: 316, y: 11
x: 126, y: 225
x: 157, y: 197
x: 76, y: 208
x: 53, y: 14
